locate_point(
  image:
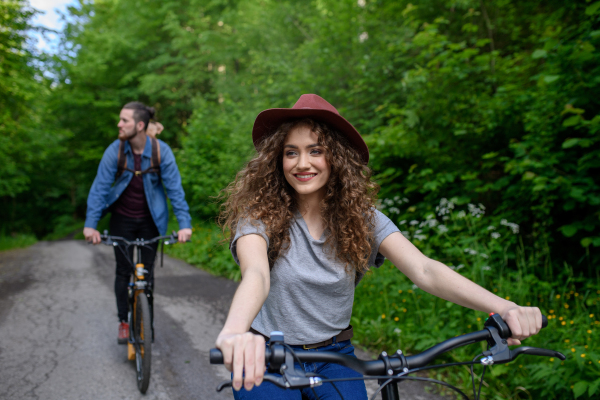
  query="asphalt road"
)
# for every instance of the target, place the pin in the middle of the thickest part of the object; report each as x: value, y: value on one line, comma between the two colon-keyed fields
x: 58, y: 328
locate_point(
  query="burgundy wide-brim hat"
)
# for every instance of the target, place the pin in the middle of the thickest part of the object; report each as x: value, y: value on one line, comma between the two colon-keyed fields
x: 308, y: 106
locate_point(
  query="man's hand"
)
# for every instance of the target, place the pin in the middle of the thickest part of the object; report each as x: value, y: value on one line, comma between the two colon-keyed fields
x: 184, y: 235
x: 92, y: 235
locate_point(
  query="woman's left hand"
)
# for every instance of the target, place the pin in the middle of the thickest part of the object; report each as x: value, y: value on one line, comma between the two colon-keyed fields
x: 523, y: 322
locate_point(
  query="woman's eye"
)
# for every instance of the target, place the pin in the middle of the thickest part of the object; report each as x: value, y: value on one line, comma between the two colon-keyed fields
x: 290, y: 153
x: 316, y: 151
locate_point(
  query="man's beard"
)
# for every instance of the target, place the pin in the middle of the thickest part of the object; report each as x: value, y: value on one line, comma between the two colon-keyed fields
x: 128, y: 135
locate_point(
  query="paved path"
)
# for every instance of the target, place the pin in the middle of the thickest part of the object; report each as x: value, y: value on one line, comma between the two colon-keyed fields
x: 58, y: 328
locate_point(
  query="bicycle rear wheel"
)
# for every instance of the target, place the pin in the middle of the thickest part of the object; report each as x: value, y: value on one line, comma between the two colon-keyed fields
x: 143, y: 341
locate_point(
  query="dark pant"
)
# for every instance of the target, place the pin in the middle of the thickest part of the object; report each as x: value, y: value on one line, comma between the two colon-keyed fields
x: 131, y: 229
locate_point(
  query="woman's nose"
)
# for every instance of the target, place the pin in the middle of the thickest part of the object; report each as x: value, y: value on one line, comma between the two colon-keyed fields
x: 303, y: 161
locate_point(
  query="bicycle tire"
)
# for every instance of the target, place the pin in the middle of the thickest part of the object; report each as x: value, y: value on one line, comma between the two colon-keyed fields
x: 142, y: 331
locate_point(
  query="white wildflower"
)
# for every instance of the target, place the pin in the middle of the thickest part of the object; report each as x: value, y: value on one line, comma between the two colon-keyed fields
x: 495, y: 235
x: 363, y: 36
x: 420, y: 237
x: 442, y: 228
x: 415, y: 287
x: 394, y: 210
x: 397, y: 331
x: 491, y: 228
x: 414, y: 222
x: 459, y: 266
x: 445, y: 207
x: 361, y: 3
x: 486, y: 268
x: 461, y: 214
x: 476, y: 211
x: 402, y: 222
x: 406, y: 234
x: 513, y: 227
x: 484, y: 255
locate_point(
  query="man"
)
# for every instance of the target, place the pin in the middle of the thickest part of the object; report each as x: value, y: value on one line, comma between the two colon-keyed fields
x: 137, y: 200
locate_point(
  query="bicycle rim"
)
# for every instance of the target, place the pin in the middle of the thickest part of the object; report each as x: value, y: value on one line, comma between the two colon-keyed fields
x: 143, y: 341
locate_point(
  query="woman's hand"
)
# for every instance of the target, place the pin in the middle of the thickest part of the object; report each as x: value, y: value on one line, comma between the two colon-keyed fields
x: 244, y: 355
x: 522, y: 321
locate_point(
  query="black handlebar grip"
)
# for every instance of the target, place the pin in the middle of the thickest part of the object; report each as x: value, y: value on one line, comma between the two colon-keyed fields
x: 544, y: 321
x: 215, y: 356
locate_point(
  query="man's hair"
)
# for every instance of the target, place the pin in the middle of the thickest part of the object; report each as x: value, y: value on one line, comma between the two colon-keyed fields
x: 141, y: 112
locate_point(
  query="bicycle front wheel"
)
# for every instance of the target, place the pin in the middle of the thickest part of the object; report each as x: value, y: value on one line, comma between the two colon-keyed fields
x: 142, y: 331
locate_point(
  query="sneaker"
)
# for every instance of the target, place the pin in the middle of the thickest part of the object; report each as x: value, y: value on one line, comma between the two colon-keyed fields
x: 123, y: 333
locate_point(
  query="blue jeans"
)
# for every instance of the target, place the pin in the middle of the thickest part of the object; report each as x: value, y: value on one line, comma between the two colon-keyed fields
x: 351, y: 390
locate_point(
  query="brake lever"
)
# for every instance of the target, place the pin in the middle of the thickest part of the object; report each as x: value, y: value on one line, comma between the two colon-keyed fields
x: 536, y: 351
x: 277, y: 380
x: 499, y: 353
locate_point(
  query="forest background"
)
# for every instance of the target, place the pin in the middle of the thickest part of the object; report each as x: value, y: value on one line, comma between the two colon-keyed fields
x: 482, y: 118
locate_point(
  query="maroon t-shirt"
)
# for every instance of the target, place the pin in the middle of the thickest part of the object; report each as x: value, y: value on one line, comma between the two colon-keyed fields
x: 132, y: 202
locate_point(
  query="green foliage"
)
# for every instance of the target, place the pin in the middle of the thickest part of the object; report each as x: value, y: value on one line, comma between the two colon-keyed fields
x: 498, y: 107
x: 390, y: 312
x: 16, y: 241
x: 207, y: 251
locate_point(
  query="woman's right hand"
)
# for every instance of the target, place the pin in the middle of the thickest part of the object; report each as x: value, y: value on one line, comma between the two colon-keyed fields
x: 244, y: 355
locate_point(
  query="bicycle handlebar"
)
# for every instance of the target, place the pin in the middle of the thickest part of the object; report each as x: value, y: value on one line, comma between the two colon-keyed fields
x: 496, y: 331
x: 114, y: 240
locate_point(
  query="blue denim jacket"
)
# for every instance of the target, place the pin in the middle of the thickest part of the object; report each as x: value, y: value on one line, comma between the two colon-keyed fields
x: 103, y: 193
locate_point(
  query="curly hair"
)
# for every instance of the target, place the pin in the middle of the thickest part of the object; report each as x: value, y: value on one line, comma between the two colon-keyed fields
x: 260, y: 192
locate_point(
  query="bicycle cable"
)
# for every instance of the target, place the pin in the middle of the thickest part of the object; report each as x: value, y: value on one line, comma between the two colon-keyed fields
x: 473, y: 376
x: 311, y: 374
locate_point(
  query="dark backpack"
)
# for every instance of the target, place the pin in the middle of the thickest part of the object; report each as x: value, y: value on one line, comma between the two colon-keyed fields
x: 154, y: 161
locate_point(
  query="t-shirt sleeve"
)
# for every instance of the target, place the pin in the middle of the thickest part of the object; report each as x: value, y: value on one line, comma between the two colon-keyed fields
x: 383, y: 228
x: 247, y: 227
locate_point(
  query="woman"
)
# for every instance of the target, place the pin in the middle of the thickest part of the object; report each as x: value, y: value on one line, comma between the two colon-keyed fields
x: 304, y: 231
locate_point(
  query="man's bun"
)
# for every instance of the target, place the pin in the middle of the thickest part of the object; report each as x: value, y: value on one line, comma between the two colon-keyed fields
x: 151, y: 111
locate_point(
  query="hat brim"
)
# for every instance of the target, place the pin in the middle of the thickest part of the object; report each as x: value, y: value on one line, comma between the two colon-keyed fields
x: 269, y: 120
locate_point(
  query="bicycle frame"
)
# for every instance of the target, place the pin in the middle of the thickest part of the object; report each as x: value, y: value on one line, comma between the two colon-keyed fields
x: 138, y: 284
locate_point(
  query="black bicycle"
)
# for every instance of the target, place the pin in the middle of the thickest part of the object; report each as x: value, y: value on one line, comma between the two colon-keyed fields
x: 140, y: 303
x: 391, y: 369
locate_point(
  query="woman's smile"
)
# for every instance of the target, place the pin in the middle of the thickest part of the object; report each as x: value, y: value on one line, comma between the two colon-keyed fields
x: 304, y: 177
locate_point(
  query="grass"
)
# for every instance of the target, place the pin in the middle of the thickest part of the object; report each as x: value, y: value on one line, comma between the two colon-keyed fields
x: 16, y: 241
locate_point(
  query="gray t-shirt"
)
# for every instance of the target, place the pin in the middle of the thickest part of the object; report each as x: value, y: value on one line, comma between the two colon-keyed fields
x: 311, y: 294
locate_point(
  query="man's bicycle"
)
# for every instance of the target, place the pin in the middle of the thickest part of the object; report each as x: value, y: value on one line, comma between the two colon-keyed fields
x: 140, y: 302
x: 282, y: 360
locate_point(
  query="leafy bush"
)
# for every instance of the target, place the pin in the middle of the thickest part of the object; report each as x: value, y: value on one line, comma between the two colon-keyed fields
x: 390, y: 312
x: 206, y: 251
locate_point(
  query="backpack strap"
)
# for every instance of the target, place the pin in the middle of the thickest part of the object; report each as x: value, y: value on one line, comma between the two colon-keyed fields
x: 121, y: 160
x: 154, y: 160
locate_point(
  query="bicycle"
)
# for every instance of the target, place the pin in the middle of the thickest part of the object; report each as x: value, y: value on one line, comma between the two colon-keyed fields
x: 390, y: 369
x: 140, y: 302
